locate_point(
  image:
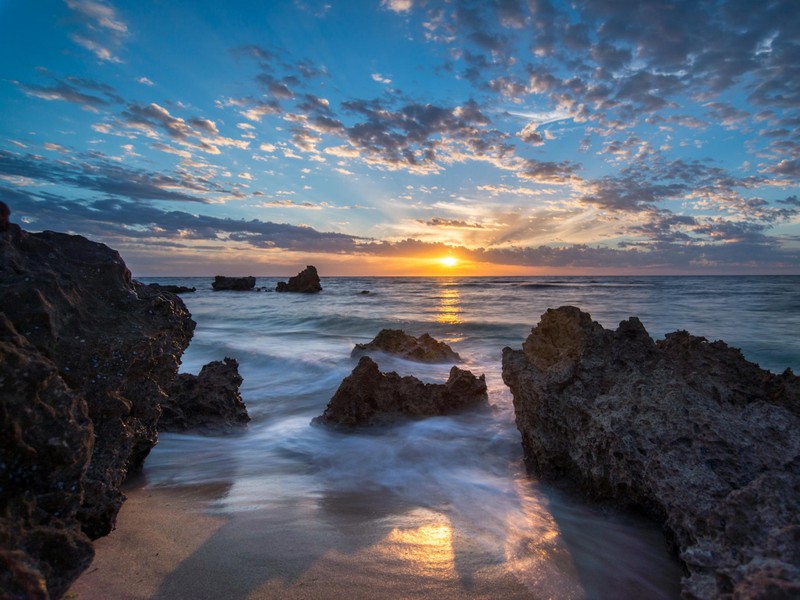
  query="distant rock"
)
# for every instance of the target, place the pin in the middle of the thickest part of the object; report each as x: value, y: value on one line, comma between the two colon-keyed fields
x: 172, y: 289
x: 689, y: 431
x: 209, y: 400
x: 86, y: 357
x: 238, y: 284
x: 370, y: 397
x: 422, y: 349
x: 306, y: 281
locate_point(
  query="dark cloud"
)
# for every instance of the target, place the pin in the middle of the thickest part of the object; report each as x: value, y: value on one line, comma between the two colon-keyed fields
x: 74, y: 90
x: 451, y: 223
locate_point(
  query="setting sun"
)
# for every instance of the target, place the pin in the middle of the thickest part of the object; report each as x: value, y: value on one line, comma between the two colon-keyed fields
x: 449, y: 261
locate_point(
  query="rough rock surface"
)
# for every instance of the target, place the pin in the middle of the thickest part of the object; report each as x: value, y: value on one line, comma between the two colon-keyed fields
x: 172, y: 289
x: 209, y: 400
x: 703, y: 440
x: 237, y: 284
x: 396, y: 341
x: 87, y: 355
x: 306, y: 281
x: 370, y: 397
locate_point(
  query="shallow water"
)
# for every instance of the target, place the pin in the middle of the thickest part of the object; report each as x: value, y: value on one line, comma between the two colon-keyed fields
x: 448, y: 494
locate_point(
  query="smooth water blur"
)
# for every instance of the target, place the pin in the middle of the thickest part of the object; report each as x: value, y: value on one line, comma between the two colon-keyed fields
x: 464, y: 472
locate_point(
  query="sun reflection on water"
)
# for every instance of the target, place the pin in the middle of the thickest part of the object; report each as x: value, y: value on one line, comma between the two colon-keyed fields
x: 449, y: 306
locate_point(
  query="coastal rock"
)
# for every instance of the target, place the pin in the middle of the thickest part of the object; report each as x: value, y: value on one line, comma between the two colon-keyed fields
x: 209, y: 400
x: 370, y: 397
x: 686, y: 430
x: 88, y: 355
x: 396, y: 341
x: 237, y: 284
x: 172, y: 289
x: 306, y: 281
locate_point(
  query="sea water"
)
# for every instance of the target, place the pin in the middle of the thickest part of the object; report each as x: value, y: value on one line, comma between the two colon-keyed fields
x: 446, y: 494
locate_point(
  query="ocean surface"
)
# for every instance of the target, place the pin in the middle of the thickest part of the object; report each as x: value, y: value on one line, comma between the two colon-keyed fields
x: 446, y: 497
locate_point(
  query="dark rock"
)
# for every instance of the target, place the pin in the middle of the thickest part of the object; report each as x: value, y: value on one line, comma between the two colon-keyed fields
x: 172, y: 289
x: 306, y: 281
x: 88, y: 355
x: 209, y: 400
x: 370, y: 397
x: 689, y: 431
x: 396, y: 341
x: 237, y: 284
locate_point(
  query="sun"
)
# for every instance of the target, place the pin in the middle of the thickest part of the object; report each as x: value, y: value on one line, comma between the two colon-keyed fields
x: 449, y: 261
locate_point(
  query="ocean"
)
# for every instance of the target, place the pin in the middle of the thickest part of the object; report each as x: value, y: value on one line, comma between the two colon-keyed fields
x: 444, y: 499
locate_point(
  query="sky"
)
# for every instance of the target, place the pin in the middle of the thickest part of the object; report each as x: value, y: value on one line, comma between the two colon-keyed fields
x: 408, y: 137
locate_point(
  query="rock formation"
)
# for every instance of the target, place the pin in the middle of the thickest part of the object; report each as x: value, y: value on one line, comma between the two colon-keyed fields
x: 686, y: 430
x: 87, y: 356
x: 209, y: 400
x: 370, y: 397
x: 172, y: 289
x: 396, y: 341
x: 306, y: 281
x: 237, y: 284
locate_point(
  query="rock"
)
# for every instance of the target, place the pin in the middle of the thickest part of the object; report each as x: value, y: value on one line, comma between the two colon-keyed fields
x: 88, y: 355
x: 233, y: 283
x: 306, y: 281
x: 172, y: 289
x: 209, y: 400
x: 686, y: 430
x: 370, y: 397
x: 396, y: 341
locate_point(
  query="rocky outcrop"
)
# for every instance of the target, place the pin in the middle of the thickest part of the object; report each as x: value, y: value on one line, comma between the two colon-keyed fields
x: 172, y: 289
x: 421, y: 349
x: 370, y: 397
x: 210, y: 400
x: 237, y: 284
x: 306, y: 282
x: 87, y: 357
x: 689, y: 431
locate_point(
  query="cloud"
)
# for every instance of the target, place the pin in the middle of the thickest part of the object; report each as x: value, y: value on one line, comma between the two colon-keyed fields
x: 144, y: 81
x: 398, y: 6
x: 103, y: 30
x: 75, y: 91
x: 380, y: 78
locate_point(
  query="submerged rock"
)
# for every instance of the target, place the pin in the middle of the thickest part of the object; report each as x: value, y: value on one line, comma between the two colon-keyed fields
x: 236, y: 284
x: 209, y: 400
x: 172, y: 289
x: 689, y: 431
x: 396, y: 341
x: 306, y: 282
x: 87, y: 355
x: 370, y: 397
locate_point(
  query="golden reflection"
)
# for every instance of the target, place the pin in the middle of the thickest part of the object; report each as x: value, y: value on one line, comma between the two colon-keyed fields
x: 449, y: 306
x: 429, y: 548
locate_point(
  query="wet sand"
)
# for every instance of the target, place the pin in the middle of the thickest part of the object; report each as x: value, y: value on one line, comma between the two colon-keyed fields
x: 168, y: 545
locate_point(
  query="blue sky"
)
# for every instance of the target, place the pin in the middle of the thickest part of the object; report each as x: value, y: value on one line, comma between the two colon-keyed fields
x: 377, y: 137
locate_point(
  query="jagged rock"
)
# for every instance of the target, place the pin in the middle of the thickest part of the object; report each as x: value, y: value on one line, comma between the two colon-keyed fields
x: 209, y: 400
x: 172, y: 289
x: 306, y: 281
x: 396, y: 341
x: 238, y: 284
x: 80, y: 340
x: 370, y: 397
x: 689, y: 431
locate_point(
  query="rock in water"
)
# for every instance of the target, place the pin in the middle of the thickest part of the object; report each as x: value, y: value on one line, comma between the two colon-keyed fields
x: 209, y: 400
x: 173, y: 289
x: 87, y: 355
x: 370, y: 397
x: 306, y: 281
x: 703, y: 440
x: 237, y: 284
x: 396, y: 341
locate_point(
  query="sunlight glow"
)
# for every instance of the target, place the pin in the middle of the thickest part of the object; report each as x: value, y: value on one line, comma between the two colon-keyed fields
x: 449, y: 261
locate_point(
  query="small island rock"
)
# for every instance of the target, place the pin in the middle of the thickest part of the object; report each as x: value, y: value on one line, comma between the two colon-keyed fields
x: 172, y: 289
x: 396, y: 341
x: 688, y: 431
x: 237, y: 284
x: 370, y: 397
x: 306, y: 282
x: 209, y: 400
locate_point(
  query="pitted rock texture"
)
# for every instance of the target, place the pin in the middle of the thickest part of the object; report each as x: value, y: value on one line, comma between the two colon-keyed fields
x: 421, y: 349
x: 701, y: 439
x: 210, y: 400
x: 87, y: 357
x: 306, y: 282
x: 369, y: 396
